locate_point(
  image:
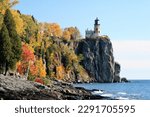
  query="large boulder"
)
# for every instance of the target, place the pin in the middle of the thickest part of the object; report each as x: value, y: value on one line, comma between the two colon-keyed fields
x: 124, y: 79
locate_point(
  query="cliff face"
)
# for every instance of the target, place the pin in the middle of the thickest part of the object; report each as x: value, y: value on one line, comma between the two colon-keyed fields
x: 98, y: 59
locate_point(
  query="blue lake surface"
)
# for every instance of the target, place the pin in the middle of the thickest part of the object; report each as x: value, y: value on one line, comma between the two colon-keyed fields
x: 135, y: 90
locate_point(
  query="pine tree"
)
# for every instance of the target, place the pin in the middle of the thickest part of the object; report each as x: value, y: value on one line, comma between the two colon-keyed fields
x: 14, y: 37
x: 5, y: 49
x: 47, y: 58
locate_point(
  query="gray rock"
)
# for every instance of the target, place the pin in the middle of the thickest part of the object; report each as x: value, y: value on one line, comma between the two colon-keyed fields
x: 18, y: 89
x: 98, y: 58
x: 124, y: 79
x: 117, y: 72
x: 1, y: 75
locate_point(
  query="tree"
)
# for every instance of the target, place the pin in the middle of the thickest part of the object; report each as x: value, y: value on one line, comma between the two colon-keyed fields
x: 66, y: 35
x: 18, y: 21
x: 74, y: 32
x: 6, y: 4
x: 55, y: 30
x: 27, y: 58
x: 14, y: 37
x: 27, y: 53
x: 30, y: 26
x: 60, y: 72
x: 41, y: 68
x: 5, y: 49
x: 50, y: 29
x: 29, y: 65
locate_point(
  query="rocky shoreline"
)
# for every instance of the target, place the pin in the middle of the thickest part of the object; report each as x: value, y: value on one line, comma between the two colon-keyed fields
x: 18, y: 89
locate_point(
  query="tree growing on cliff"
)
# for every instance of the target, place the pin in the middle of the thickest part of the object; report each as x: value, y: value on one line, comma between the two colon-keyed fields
x: 74, y: 32
x: 14, y: 37
x: 30, y: 27
x: 6, y: 4
x: 5, y: 49
x: 66, y: 35
x: 20, y: 28
x: 27, y: 59
x: 51, y: 29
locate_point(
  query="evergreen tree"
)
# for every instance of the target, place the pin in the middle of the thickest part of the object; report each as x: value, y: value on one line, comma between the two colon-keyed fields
x: 14, y: 37
x: 48, y: 62
x: 5, y: 49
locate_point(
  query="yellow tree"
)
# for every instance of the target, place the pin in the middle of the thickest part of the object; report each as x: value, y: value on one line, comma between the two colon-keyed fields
x: 60, y: 72
x: 55, y: 30
x: 45, y: 29
x: 66, y: 35
x: 19, y: 22
x: 41, y: 68
x: 74, y: 32
x: 43, y: 35
x: 50, y: 29
x: 6, y: 4
x: 31, y: 28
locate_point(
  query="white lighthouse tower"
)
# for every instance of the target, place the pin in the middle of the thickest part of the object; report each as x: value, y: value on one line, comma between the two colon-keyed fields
x: 96, y: 32
x: 96, y: 27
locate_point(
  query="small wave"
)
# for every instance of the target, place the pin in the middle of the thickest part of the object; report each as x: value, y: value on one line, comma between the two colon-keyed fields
x: 122, y: 93
x: 122, y: 98
x: 97, y: 92
x: 107, y: 95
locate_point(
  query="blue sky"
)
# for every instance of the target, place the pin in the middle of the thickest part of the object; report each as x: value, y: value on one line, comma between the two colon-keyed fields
x: 126, y: 22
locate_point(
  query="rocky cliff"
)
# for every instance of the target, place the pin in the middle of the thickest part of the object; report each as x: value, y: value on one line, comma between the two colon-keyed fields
x: 98, y: 59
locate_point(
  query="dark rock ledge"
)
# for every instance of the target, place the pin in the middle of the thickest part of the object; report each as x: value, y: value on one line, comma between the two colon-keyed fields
x: 19, y: 89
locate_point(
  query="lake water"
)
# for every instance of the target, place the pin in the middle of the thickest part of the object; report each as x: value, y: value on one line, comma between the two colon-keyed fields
x: 135, y: 90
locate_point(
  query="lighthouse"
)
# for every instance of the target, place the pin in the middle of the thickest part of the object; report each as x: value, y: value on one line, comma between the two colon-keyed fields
x: 96, y: 27
x: 93, y: 33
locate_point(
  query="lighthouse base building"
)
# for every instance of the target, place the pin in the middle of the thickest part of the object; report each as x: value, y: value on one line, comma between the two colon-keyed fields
x: 95, y: 33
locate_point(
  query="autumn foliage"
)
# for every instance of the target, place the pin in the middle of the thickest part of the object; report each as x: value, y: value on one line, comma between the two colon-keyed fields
x: 33, y: 70
x: 39, y: 80
x: 51, y: 29
x: 40, y: 68
x: 19, y: 22
x: 5, y: 4
x: 30, y: 64
x: 44, y: 47
x: 60, y: 72
x: 66, y: 35
x: 27, y: 58
x: 27, y: 53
